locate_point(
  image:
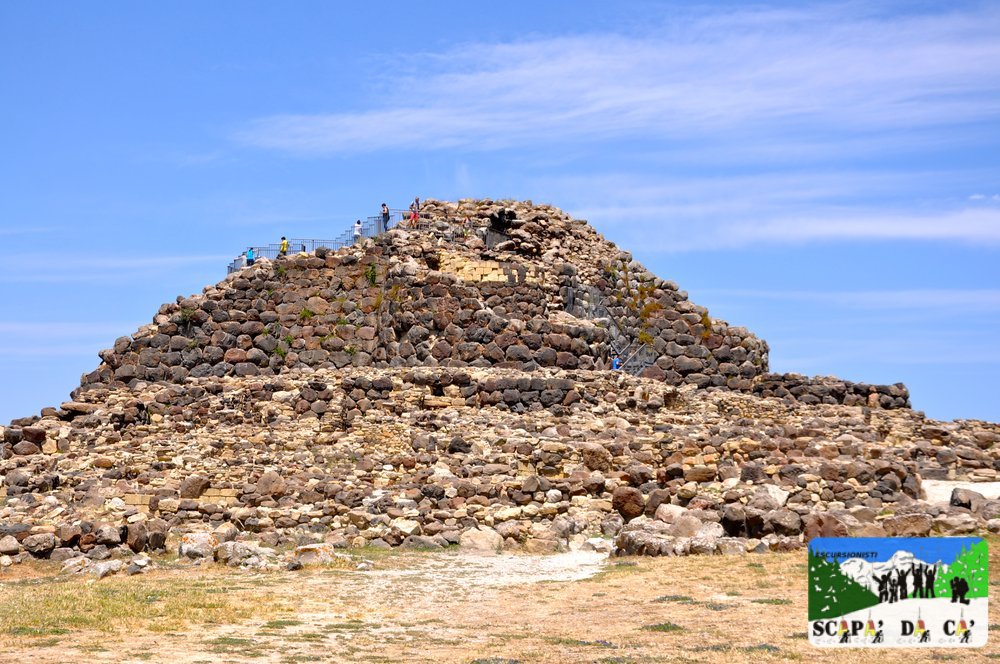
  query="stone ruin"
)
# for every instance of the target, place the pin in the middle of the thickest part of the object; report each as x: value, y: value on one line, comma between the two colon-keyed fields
x: 452, y: 384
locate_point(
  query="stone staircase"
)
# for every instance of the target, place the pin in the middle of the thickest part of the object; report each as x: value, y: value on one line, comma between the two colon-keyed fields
x: 588, y: 302
x: 584, y: 301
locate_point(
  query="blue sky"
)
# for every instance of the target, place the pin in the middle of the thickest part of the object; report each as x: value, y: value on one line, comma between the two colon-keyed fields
x: 827, y: 176
x: 928, y: 549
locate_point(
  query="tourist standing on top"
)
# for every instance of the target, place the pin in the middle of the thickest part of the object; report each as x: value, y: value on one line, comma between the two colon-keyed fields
x: 250, y: 258
x: 385, y: 218
x: 414, y: 212
x: 357, y: 231
x: 284, y: 247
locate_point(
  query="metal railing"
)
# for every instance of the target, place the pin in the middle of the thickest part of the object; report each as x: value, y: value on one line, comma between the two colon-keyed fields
x: 634, y: 354
x: 370, y: 227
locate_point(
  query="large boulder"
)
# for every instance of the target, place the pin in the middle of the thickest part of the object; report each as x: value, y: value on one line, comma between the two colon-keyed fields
x: 970, y: 500
x: 628, y: 502
x: 9, y: 546
x: 784, y: 522
x: 955, y: 524
x: 193, y: 486
x: 595, y: 456
x: 819, y: 524
x: 198, y: 545
x: 136, y: 536
x: 908, y: 525
x: 271, y: 484
x: 481, y: 540
x: 40, y: 544
x: 107, y: 535
x: 323, y: 553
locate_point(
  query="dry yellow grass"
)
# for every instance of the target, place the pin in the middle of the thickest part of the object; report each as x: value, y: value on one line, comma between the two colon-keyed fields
x: 168, y: 601
x: 442, y: 607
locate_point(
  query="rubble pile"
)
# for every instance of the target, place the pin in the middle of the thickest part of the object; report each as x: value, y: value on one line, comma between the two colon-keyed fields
x: 370, y: 397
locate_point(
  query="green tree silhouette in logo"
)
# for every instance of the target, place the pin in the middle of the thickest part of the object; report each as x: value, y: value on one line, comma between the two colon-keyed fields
x: 832, y: 593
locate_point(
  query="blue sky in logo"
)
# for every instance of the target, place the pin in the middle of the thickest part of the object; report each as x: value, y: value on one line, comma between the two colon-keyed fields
x: 927, y: 549
x: 827, y: 175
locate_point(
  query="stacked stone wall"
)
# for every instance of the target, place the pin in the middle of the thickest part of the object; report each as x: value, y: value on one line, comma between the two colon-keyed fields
x: 830, y: 390
x: 437, y: 296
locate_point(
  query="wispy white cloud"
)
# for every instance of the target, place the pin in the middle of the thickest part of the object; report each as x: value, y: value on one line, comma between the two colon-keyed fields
x: 702, y: 76
x: 667, y: 229
x: 938, y: 299
x: 695, y: 212
x: 971, y: 225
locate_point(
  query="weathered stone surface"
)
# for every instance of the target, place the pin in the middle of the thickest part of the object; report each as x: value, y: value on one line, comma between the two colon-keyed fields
x: 193, y: 486
x: 271, y: 484
x: 9, y: 546
x: 198, y: 545
x: 108, y: 535
x: 823, y: 525
x: 967, y: 498
x: 26, y: 448
x: 481, y: 540
x: 39, y: 545
x: 908, y: 525
x: 136, y: 536
x: 628, y: 502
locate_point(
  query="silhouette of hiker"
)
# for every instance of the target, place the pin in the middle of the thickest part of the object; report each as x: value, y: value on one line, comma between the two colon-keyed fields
x: 878, y: 635
x: 893, y: 589
x: 883, y: 587
x: 918, y: 581
x: 954, y: 591
x: 965, y: 630
x: 902, y: 574
x: 926, y: 636
x: 960, y: 587
x: 930, y: 574
x: 843, y: 631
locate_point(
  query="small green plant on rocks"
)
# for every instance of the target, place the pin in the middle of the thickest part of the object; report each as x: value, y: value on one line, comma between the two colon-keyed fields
x: 706, y: 322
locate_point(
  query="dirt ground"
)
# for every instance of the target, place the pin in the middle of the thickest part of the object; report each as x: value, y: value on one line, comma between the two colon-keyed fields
x: 437, y: 607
